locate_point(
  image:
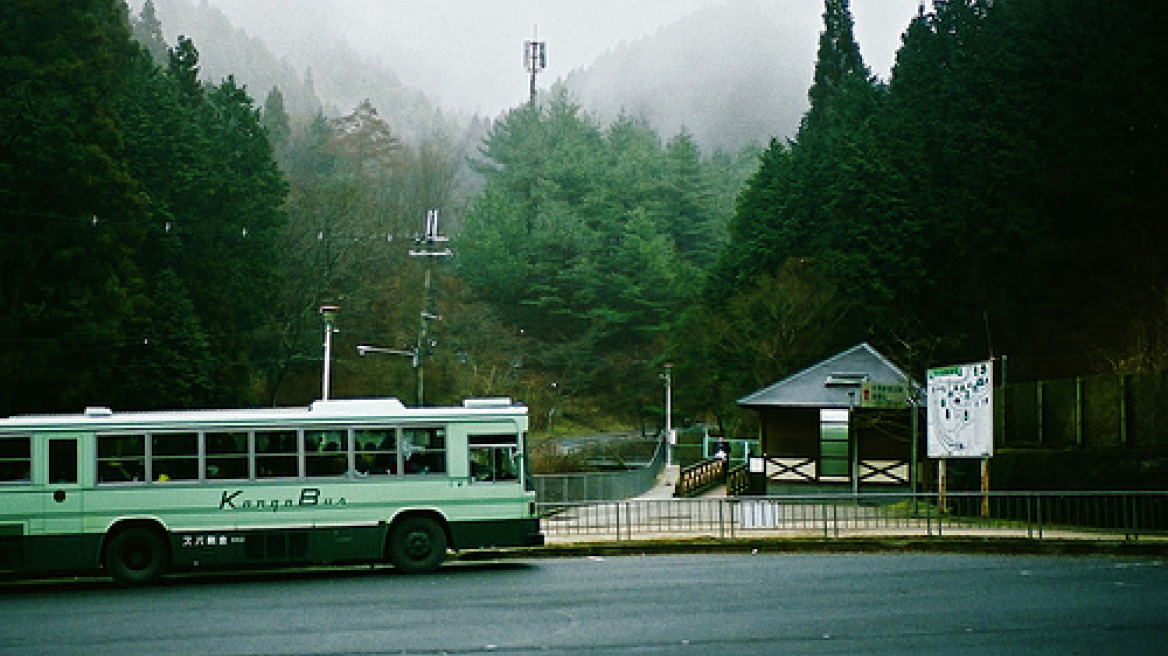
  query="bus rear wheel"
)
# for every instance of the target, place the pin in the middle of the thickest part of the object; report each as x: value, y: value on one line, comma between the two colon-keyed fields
x: 136, y: 556
x: 416, y: 545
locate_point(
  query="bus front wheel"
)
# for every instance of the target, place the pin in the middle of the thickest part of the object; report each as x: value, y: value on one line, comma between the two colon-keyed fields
x: 136, y: 556
x: 416, y: 545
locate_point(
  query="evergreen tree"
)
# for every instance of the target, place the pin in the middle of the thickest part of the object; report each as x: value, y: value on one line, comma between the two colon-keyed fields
x: 791, y: 206
x: 809, y: 213
x: 231, y: 256
x: 148, y: 31
x: 70, y: 212
x: 839, y: 71
x: 688, y: 194
x: 275, y: 119
x: 183, y: 66
x: 169, y: 363
x: 993, y: 198
x: 589, y: 239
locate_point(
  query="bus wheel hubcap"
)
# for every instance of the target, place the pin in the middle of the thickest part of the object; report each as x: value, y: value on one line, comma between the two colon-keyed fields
x: 137, y: 559
x: 418, y: 545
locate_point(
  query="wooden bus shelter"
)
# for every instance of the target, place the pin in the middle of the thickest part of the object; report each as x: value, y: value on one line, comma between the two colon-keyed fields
x: 845, y: 421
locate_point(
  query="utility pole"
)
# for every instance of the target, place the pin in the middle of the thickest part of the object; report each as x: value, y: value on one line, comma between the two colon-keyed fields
x: 431, y: 246
x: 535, y: 59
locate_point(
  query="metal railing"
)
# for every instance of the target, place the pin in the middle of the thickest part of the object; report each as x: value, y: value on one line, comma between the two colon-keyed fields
x: 599, y: 486
x: 1033, y: 515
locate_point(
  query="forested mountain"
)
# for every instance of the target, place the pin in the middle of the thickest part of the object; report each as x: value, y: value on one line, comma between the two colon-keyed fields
x: 224, y: 50
x: 322, y: 74
x: 732, y: 74
x: 1003, y: 194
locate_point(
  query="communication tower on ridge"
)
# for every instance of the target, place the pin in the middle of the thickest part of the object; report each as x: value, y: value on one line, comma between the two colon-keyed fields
x: 535, y: 59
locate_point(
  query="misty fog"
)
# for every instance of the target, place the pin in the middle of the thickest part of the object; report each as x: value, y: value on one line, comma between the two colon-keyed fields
x: 466, y: 55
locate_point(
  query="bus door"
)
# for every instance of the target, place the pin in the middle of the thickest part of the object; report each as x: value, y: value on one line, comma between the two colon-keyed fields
x: 59, y: 475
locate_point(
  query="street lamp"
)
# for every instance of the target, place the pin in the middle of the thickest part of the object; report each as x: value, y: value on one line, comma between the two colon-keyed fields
x: 670, y: 440
x: 329, y: 314
x: 367, y: 349
x: 413, y: 354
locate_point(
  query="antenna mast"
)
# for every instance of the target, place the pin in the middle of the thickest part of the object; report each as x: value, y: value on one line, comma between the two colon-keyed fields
x: 535, y: 59
x: 431, y: 247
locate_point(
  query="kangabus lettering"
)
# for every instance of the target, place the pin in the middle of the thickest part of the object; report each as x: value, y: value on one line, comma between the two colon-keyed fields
x: 228, y: 502
x: 308, y: 497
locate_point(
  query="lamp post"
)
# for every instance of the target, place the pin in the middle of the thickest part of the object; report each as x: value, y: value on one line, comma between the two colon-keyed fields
x: 363, y: 349
x: 669, y: 439
x: 329, y: 314
x: 854, y: 443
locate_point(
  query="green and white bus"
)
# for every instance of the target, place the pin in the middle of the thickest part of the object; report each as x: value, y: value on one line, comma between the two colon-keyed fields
x: 363, y: 480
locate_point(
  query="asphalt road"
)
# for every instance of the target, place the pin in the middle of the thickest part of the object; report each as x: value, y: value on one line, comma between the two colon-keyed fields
x: 686, y: 604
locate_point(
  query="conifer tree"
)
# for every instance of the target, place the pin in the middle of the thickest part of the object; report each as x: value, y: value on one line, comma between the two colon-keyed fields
x: 70, y: 213
x: 275, y: 119
x: 839, y: 69
x: 148, y: 32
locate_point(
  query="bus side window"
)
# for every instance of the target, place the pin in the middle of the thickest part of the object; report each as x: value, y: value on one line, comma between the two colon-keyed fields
x: 376, y: 451
x: 226, y: 455
x: 121, y: 458
x: 174, y: 456
x: 424, y: 450
x: 326, y: 452
x: 276, y: 454
x: 494, y: 457
x: 15, y: 459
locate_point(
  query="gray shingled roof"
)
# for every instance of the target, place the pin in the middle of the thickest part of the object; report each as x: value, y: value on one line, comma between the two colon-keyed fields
x: 827, y: 384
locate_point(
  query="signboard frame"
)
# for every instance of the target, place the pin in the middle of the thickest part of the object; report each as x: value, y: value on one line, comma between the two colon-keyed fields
x: 961, y: 411
x: 875, y: 394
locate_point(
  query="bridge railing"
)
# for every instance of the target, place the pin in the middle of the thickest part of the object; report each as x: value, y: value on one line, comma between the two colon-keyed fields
x: 599, y: 486
x: 1033, y: 515
x: 701, y: 477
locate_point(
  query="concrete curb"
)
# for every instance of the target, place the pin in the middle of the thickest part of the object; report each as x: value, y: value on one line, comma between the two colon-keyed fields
x: 939, y: 545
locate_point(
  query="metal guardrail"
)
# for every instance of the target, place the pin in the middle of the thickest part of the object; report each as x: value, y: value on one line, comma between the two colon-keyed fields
x: 1033, y: 515
x: 599, y: 486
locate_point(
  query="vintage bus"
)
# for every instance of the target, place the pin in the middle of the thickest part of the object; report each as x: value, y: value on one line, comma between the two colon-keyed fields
x: 143, y: 493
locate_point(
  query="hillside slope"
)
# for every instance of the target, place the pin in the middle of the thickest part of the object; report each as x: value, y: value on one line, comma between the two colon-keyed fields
x: 730, y: 74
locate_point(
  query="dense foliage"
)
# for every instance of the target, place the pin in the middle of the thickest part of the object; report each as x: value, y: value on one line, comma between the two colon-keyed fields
x: 359, y: 195
x: 140, y: 211
x: 590, y: 239
x: 1005, y: 192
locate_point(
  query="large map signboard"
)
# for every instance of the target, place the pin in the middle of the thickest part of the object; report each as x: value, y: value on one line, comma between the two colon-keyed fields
x: 961, y: 411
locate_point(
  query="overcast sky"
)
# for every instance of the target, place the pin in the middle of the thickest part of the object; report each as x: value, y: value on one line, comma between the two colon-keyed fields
x: 468, y: 54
